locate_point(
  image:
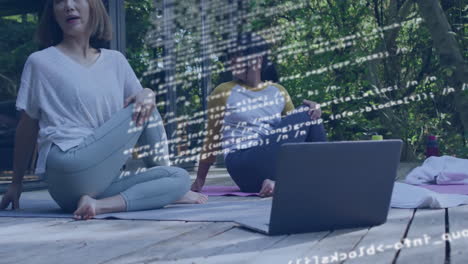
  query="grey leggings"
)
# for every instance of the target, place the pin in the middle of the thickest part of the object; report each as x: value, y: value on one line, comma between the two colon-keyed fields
x: 93, y: 167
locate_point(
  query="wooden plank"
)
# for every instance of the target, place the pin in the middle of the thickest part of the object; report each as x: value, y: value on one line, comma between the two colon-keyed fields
x: 423, y: 242
x: 339, y: 241
x: 458, y: 234
x: 10, y: 248
x: 91, y: 241
x: 5, y: 221
x: 223, y: 248
x: 8, y: 223
x: 288, y: 249
x: 214, y: 198
x: 374, y: 245
x: 163, y: 249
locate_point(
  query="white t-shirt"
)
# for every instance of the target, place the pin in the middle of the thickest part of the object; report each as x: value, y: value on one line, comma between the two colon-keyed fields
x: 69, y: 99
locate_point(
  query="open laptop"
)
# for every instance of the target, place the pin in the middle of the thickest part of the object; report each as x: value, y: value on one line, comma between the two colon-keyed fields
x: 331, y: 185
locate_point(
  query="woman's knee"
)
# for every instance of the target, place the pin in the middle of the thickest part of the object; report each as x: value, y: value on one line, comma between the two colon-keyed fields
x: 65, y: 200
x: 316, y: 129
x: 317, y: 133
x: 246, y: 177
x: 249, y: 185
x: 299, y: 117
x: 179, y: 174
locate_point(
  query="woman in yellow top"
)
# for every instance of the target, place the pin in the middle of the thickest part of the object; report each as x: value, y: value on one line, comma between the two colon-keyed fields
x: 250, y: 117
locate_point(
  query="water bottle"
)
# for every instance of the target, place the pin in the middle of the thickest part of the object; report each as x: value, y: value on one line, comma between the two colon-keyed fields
x: 432, y: 147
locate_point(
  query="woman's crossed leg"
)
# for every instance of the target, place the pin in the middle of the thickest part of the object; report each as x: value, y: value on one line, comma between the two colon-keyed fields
x: 85, y: 179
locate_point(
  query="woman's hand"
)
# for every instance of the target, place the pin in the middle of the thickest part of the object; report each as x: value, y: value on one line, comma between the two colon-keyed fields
x: 12, y: 196
x: 268, y: 186
x: 314, y: 111
x: 197, y: 185
x: 145, y: 102
x: 203, y: 168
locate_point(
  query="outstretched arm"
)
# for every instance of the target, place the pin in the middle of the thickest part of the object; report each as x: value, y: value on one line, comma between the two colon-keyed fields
x: 212, y: 143
x: 25, y: 141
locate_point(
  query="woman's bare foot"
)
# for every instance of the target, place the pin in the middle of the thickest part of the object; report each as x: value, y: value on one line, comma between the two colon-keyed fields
x: 89, y: 207
x: 192, y: 198
x: 268, y: 186
x: 86, y: 208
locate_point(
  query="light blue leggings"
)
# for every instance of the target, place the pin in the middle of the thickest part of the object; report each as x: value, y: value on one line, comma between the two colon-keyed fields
x: 93, y: 167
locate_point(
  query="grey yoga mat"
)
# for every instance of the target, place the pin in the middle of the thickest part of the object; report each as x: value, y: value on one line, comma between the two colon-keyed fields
x: 244, y: 213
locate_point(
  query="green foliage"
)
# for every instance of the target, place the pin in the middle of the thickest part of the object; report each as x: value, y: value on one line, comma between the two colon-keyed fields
x: 306, y: 31
x: 322, y: 21
x: 15, y: 47
x: 318, y: 24
x: 17, y: 44
x: 138, y: 23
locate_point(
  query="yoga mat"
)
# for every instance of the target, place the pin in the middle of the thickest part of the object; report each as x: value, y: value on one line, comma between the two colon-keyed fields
x: 216, y: 211
x: 225, y: 191
x: 452, y: 188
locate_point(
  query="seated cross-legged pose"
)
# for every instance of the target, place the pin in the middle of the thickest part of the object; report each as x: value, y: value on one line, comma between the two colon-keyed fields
x: 250, y: 117
x: 86, y: 108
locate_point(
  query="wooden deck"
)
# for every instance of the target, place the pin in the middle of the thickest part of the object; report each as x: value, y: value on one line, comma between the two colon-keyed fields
x: 409, y: 236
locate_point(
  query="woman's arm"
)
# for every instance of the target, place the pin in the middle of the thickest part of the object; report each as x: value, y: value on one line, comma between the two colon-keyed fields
x: 207, y: 156
x: 25, y: 141
x: 216, y: 104
x: 203, y: 168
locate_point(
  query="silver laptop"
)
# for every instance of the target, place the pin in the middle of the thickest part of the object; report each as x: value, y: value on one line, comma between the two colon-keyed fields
x: 331, y: 185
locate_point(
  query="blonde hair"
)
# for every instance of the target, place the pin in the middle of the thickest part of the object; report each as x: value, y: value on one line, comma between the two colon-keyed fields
x: 49, y: 32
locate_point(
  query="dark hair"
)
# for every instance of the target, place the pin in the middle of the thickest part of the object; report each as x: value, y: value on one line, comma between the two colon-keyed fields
x: 49, y: 32
x: 249, y: 44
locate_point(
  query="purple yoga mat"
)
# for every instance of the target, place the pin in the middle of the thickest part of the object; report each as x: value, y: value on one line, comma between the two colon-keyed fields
x: 452, y: 188
x: 225, y: 191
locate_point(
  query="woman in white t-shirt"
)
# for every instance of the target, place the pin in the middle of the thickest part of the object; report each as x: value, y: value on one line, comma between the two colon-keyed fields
x: 87, y: 110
